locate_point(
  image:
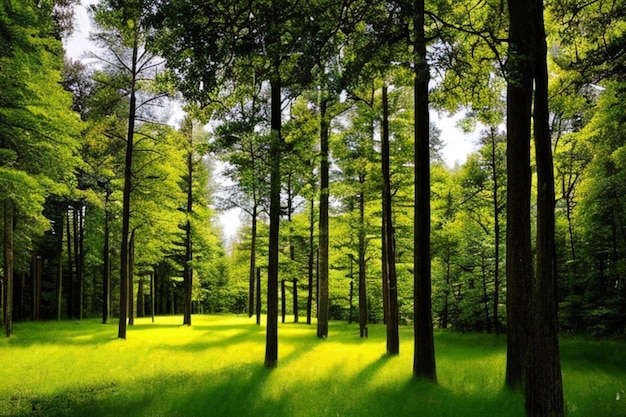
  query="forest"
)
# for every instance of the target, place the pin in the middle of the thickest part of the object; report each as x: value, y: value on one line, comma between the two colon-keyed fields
x: 312, y: 120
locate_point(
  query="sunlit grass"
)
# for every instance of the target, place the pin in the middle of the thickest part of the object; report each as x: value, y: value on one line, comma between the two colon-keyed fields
x: 215, y: 368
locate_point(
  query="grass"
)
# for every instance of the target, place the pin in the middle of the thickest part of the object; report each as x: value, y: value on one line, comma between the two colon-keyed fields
x: 215, y: 368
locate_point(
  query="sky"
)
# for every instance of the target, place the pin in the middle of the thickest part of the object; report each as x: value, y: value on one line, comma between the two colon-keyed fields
x: 457, y: 144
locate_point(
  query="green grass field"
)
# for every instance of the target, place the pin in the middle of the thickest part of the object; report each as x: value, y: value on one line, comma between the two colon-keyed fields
x: 215, y: 368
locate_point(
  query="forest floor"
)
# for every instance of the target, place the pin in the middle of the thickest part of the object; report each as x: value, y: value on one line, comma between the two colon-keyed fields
x: 215, y: 368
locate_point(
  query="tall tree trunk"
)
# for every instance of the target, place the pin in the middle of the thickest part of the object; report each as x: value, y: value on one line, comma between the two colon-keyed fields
x: 424, y: 352
x: 128, y: 175
x: 544, y: 387
x: 322, y: 304
x: 283, y: 306
x: 309, y: 299
x: 258, y: 295
x: 518, y: 238
x: 106, y: 269
x: 187, y: 269
x: 252, y: 258
x: 8, y: 267
x: 70, y: 265
x: 295, y: 301
x: 80, y: 260
x: 393, y: 337
x: 362, y: 270
x: 271, y: 345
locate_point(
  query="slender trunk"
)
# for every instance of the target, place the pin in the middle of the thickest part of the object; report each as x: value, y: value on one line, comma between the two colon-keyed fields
x: 322, y: 304
x: 188, y: 271
x: 8, y: 267
x: 295, y: 301
x: 544, y: 387
x: 258, y: 295
x: 362, y: 271
x: 518, y: 237
x: 282, y: 300
x: 309, y: 300
x: 106, y: 269
x: 271, y: 345
x: 70, y: 265
x: 351, y: 293
x: 424, y: 353
x: 252, y: 259
x: 80, y: 273
x: 128, y: 174
x: 393, y: 337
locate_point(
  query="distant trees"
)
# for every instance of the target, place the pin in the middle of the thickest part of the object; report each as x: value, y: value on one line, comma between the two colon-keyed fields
x: 38, y: 135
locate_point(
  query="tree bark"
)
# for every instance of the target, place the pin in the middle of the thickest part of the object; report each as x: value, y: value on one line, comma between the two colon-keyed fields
x: 322, y: 305
x: 544, y: 387
x: 252, y: 271
x: 271, y: 346
x: 393, y: 337
x: 128, y: 174
x: 518, y: 237
x: 187, y: 269
x: 309, y: 300
x: 362, y: 270
x: 424, y: 352
x: 106, y: 269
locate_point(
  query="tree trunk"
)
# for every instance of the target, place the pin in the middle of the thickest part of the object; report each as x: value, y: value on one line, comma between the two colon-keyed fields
x: 128, y: 175
x: 141, y: 307
x: 187, y: 269
x: 106, y: 269
x: 424, y: 352
x: 322, y: 304
x: 271, y: 346
x: 362, y: 270
x: 70, y: 266
x: 60, y: 276
x: 393, y: 337
x: 544, y: 387
x: 518, y: 237
x: 295, y: 301
x: 252, y: 260
x: 309, y: 300
x: 258, y: 295
x: 8, y: 267
x: 282, y: 301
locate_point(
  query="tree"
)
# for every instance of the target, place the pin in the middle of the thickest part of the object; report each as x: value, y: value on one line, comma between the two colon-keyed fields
x: 424, y: 353
x: 123, y: 31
